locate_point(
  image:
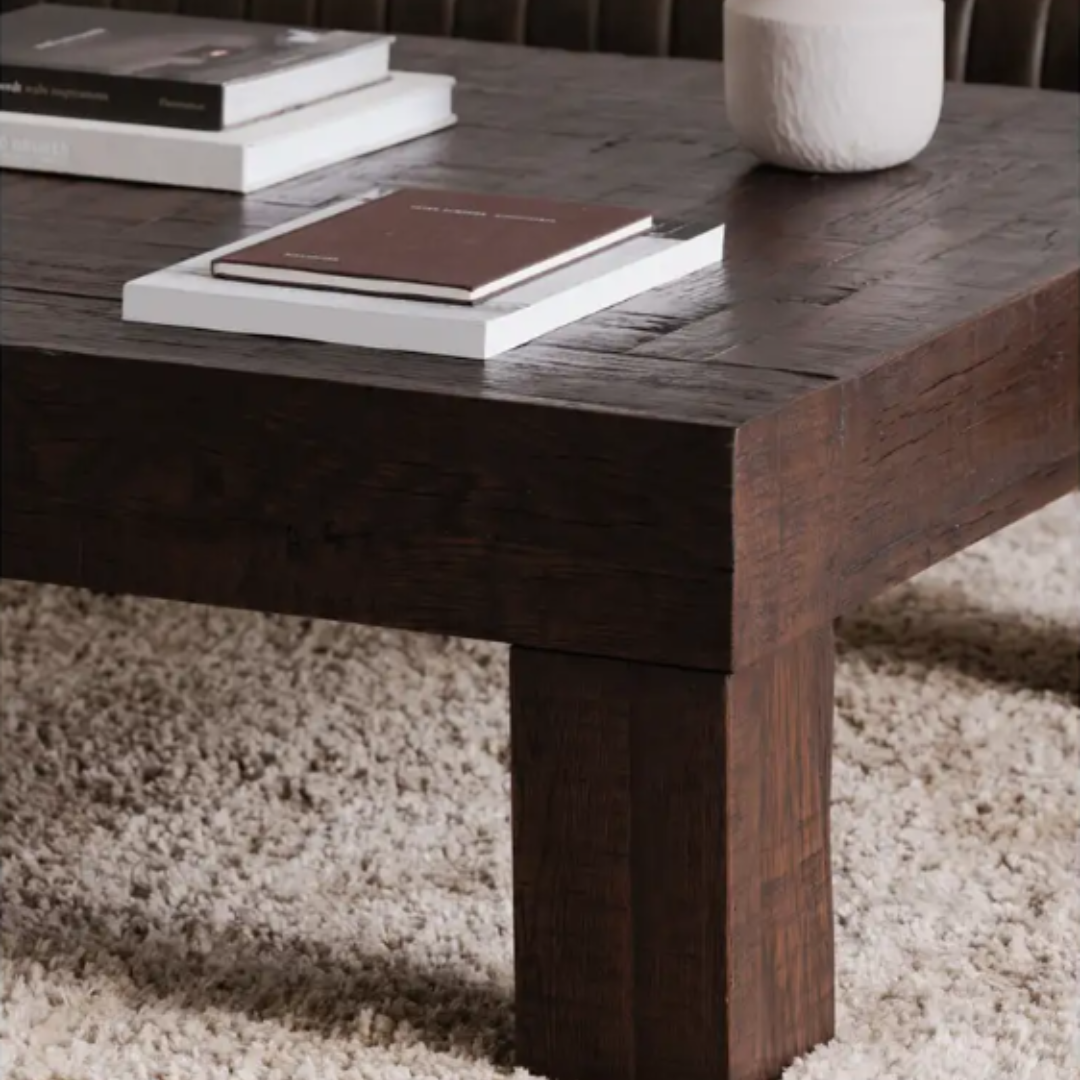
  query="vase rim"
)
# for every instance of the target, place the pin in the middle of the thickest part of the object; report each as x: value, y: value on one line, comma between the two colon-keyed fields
x: 821, y: 12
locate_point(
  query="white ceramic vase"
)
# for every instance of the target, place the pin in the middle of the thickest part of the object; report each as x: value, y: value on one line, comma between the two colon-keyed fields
x: 834, y: 85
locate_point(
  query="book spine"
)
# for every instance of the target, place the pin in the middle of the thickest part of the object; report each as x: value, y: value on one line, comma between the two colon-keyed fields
x: 117, y: 99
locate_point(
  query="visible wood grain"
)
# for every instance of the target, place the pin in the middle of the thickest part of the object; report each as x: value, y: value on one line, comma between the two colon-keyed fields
x: 573, y: 884
x: 873, y: 479
x: 589, y: 380
x: 672, y: 894
x: 660, y: 507
x: 778, y: 903
x: 841, y: 304
x: 298, y: 495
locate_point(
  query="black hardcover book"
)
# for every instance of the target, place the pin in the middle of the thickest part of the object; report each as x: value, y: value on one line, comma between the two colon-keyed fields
x: 173, y: 70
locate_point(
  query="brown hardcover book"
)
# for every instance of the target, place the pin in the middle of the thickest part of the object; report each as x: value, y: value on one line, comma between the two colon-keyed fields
x: 438, y: 245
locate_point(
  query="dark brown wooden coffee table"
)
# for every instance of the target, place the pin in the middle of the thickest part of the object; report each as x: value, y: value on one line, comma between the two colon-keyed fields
x: 663, y: 508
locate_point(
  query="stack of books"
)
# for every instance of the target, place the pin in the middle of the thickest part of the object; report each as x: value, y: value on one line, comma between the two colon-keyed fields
x: 467, y: 274
x: 203, y: 103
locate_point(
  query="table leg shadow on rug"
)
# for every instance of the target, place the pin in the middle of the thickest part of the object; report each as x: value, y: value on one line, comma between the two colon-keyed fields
x: 230, y: 837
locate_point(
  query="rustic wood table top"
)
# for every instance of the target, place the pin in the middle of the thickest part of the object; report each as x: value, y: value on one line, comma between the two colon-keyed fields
x: 662, y: 507
x: 830, y: 285
x: 839, y: 297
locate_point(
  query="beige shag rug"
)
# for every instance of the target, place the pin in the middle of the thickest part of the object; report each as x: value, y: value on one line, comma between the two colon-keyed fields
x: 239, y: 846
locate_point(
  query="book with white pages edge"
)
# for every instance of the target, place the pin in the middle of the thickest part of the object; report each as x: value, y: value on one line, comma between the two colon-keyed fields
x: 110, y: 63
x: 188, y: 295
x: 248, y: 158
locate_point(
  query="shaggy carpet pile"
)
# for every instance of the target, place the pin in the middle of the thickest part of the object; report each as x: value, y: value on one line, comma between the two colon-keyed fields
x: 240, y: 846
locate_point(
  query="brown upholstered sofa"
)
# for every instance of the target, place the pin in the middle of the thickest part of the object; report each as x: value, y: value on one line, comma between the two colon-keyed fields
x: 1016, y: 42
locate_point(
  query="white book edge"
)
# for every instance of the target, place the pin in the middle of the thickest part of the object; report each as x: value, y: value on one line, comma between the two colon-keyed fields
x: 187, y: 295
x: 260, y: 94
x: 406, y: 106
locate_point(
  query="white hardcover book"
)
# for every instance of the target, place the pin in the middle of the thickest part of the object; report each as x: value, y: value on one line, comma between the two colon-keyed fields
x: 188, y: 295
x: 405, y: 106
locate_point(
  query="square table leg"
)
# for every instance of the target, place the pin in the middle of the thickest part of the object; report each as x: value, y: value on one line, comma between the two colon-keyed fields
x: 672, y: 888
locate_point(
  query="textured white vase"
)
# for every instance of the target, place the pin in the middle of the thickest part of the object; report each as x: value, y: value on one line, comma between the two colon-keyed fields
x: 834, y: 85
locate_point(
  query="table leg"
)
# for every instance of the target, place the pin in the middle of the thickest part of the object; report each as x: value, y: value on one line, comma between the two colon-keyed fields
x: 672, y: 889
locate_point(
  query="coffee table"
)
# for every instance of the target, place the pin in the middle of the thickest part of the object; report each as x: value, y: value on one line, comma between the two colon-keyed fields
x: 663, y: 508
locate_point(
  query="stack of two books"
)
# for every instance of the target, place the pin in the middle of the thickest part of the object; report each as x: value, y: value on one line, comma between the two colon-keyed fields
x: 453, y: 273
x: 204, y: 103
